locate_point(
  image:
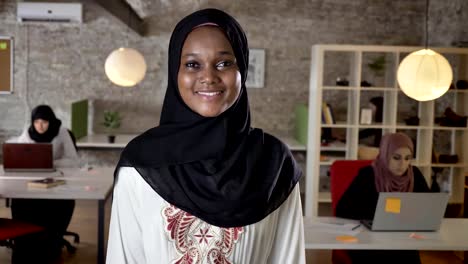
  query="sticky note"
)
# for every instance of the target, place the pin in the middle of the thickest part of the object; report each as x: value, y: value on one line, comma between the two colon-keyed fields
x: 3, y: 46
x: 347, y: 239
x: 393, y: 205
x: 416, y: 236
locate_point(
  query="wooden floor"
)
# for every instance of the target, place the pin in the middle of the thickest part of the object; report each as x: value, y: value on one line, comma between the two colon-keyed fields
x: 84, y: 222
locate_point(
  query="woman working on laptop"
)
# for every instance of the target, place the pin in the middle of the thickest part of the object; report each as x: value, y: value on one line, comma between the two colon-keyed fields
x: 46, y: 128
x: 391, y: 171
x: 54, y: 215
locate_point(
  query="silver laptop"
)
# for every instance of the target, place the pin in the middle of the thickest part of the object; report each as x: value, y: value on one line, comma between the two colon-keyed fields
x: 408, y: 212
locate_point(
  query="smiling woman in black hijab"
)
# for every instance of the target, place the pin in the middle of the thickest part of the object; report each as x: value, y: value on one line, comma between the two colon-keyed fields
x: 204, y: 185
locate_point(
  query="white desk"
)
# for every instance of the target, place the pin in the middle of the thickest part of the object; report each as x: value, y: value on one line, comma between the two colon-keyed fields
x: 121, y: 140
x: 95, y: 184
x: 453, y: 235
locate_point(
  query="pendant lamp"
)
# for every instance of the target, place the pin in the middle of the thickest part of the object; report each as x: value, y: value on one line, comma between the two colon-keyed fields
x: 125, y: 66
x: 424, y: 74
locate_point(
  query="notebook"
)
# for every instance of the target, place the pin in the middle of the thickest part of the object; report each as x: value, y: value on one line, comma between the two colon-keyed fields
x: 28, y: 157
x: 408, y: 212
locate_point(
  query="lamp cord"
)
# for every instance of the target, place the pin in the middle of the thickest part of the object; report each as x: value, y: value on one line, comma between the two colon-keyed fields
x: 427, y: 24
x: 129, y: 24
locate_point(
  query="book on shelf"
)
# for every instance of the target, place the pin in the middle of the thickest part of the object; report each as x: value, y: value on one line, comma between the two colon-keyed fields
x: 327, y: 114
x: 45, y: 183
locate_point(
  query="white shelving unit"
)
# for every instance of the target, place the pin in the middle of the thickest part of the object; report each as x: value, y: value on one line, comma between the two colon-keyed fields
x: 352, y: 62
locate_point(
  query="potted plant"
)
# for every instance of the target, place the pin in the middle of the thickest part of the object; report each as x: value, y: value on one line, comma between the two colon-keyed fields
x: 111, y: 123
x: 378, y: 65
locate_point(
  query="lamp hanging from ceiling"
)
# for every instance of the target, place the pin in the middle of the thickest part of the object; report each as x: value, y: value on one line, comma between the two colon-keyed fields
x: 125, y: 66
x: 424, y: 74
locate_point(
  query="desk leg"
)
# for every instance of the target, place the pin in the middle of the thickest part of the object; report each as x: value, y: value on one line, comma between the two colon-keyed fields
x: 101, y: 214
x: 465, y: 213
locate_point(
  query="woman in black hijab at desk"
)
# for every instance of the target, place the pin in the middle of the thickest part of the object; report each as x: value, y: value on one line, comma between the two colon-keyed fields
x: 204, y: 186
x: 54, y: 215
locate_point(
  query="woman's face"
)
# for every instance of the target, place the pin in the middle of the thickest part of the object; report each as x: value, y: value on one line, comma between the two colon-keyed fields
x: 41, y: 125
x: 209, y: 80
x: 400, y: 161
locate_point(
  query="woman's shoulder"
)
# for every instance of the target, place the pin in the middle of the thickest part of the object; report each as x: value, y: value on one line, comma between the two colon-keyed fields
x: 417, y: 174
x: 22, y: 138
x: 365, y: 174
x: 127, y: 172
x: 270, y: 140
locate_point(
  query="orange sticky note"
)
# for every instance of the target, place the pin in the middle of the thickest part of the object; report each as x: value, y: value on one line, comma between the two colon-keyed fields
x: 393, y: 205
x: 416, y: 236
x: 347, y: 239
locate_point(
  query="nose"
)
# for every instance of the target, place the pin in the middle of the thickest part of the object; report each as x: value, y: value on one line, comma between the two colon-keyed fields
x: 208, y: 76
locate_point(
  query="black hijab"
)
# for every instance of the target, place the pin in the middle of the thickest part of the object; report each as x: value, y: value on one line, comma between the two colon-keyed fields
x: 218, y: 169
x: 44, y: 112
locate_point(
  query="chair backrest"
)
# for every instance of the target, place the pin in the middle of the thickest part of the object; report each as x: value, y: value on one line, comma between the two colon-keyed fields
x: 73, y: 138
x: 342, y: 174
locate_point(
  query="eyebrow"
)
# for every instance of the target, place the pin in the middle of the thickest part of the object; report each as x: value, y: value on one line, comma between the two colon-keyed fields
x: 196, y: 54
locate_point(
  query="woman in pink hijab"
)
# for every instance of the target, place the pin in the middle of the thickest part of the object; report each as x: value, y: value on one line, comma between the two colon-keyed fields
x: 391, y: 171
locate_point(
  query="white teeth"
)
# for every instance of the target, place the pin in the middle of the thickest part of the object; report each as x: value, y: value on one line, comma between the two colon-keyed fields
x: 209, y: 93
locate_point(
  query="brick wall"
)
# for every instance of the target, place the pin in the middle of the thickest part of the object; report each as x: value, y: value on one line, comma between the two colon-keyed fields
x: 60, y: 63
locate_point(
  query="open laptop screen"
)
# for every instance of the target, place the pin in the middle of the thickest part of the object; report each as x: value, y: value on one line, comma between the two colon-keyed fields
x: 28, y: 157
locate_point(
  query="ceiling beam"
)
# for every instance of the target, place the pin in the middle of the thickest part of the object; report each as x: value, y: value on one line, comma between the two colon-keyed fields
x: 123, y: 11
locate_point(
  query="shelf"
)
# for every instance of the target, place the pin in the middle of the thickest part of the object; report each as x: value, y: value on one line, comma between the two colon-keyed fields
x: 449, y: 165
x: 334, y: 146
x: 458, y: 91
x: 437, y: 127
x: 440, y: 165
x: 338, y: 125
x: 329, y: 62
x: 375, y: 125
x: 405, y: 126
x: 324, y: 197
x: 330, y: 161
x: 345, y: 88
x: 379, y: 89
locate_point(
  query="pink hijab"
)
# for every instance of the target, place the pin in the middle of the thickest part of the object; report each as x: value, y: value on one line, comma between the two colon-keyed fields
x: 385, y: 181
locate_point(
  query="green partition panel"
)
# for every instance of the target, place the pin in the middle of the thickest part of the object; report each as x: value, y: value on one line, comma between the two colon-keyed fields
x: 300, y: 123
x: 79, y: 118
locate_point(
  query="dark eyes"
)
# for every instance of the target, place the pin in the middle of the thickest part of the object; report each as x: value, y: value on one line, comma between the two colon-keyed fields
x: 399, y: 158
x: 224, y: 64
x: 193, y: 65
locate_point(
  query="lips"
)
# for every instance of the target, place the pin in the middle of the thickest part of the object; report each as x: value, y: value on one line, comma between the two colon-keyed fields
x: 209, y: 93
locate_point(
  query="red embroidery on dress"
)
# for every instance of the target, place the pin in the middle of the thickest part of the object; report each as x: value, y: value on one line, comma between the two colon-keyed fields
x: 196, y: 241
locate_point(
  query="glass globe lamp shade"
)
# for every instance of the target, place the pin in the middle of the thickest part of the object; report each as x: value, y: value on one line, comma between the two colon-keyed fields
x: 125, y: 67
x: 424, y: 75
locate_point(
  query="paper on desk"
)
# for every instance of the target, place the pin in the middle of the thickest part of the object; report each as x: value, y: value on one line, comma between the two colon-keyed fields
x: 334, y: 225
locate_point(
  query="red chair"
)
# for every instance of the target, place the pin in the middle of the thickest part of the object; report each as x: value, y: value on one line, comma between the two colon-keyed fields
x: 342, y: 174
x: 11, y: 229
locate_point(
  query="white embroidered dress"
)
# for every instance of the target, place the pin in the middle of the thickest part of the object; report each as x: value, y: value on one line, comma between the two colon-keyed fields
x: 145, y: 228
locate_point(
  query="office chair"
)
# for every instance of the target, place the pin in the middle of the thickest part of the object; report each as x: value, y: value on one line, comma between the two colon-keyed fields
x: 11, y: 229
x: 342, y: 174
